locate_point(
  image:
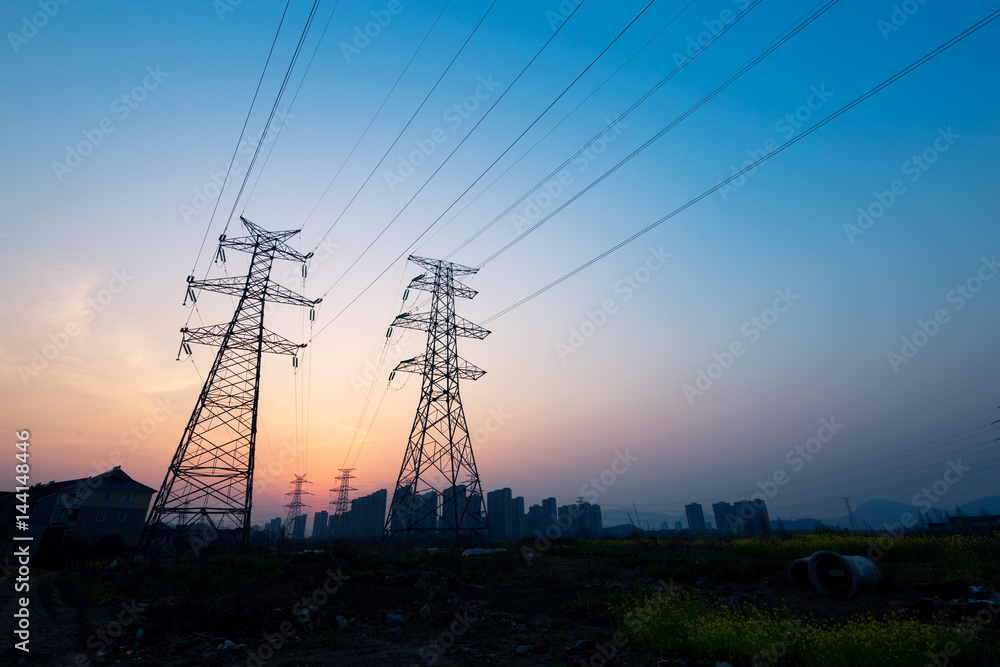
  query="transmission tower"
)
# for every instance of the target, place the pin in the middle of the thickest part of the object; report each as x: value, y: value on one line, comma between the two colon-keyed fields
x: 342, y: 503
x: 207, y: 492
x: 439, y: 462
x: 850, y: 514
x: 296, y: 505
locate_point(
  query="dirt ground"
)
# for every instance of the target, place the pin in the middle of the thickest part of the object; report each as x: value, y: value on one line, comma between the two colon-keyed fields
x: 317, y: 608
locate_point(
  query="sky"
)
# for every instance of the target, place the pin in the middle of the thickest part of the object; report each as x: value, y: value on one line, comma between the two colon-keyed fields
x: 822, y: 326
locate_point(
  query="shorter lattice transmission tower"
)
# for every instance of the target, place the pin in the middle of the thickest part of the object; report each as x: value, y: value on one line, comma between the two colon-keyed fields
x: 438, y: 496
x: 296, y: 504
x: 338, y: 525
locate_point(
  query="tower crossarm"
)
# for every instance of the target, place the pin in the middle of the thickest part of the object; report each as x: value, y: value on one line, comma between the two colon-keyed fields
x: 272, y: 242
x: 426, y: 282
x: 216, y: 334
x: 466, y: 371
x: 234, y: 286
x: 436, y: 264
x: 423, y: 322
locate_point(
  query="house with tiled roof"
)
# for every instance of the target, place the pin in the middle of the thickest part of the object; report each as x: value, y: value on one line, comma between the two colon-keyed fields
x: 87, y: 510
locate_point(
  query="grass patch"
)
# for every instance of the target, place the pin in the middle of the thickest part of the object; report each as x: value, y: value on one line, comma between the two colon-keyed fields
x: 690, y: 625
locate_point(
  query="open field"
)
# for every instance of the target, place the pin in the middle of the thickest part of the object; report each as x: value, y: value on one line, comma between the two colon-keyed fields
x: 627, y: 602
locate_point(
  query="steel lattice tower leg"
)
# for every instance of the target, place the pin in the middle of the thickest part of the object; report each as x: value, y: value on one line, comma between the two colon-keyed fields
x: 439, y: 462
x: 207, y: 492
x: 342, y: 504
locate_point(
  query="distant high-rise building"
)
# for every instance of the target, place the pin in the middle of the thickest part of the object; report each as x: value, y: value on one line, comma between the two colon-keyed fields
x: 299, y: 527
x: 695, y: 516
x: 320, y: 524
x: 366, y: 518
x: 725, y: 516
x: 678, y: 525
x: 745, y: 517
x: 498, y: 509
x: 535, y: 521
x: 517, y: 518
x: 752, y: 518
x: 274, y: 526
x: 549, y: 511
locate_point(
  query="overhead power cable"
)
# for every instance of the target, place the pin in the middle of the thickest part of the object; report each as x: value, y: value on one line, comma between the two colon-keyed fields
x: 819, y: 124
x: 274, y: 108
x: 453, y: 151
x: 750, y: 64
x: 229, y: 169
x: 414, y: 115
x: 291, y: 105
x: 374, y: 116
x: 670, y: 75
x: 557, y: 125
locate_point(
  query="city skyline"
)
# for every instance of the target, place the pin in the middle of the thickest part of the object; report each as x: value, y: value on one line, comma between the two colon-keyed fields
x: 822, y: 326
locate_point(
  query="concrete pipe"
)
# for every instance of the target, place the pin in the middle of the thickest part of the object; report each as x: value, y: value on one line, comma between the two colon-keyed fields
x: 798, y: 573
x: 831, y: 572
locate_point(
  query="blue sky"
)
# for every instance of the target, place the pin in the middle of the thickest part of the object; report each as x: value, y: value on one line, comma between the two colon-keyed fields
x: 137, y: 204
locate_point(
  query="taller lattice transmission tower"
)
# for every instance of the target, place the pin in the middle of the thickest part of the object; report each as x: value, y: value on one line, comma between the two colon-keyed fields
x: 338, y: 528
x: 296, y: 504
x: 207, y: 494
x: 439, y: 463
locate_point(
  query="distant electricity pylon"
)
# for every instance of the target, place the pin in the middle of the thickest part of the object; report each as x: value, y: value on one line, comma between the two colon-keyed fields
x: 296, y: 504
x: 439, y: 463
x: 208, y: 489
x: 850, y: 514
x: 338, y: 528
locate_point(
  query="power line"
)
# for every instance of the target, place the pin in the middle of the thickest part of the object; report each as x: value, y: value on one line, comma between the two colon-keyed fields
x: 370, y: 122
x: 291, y: 104
x: 753, y: 62
x: 454, y: 150
x: 677, y: 69
x: 554, y: 128
x: 414, y: 115
x: 274, y: 107
x: 858, y: 100
x: 242, y: 132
